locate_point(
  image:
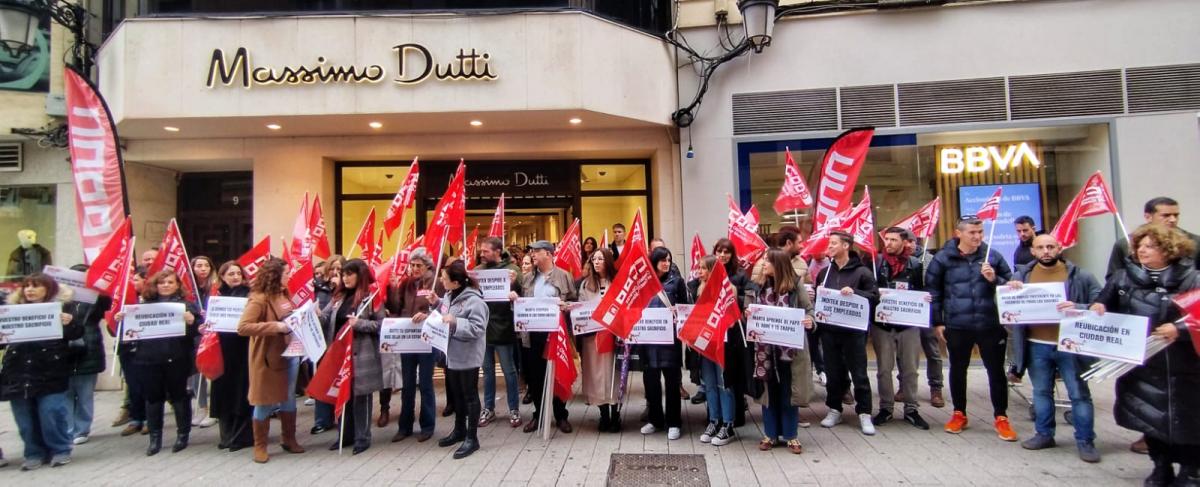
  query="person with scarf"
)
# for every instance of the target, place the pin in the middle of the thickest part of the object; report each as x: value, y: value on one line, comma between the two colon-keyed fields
x: 898, y: 344
x: 229, y: 400
x: 597, y: 351
x: 782, y: 375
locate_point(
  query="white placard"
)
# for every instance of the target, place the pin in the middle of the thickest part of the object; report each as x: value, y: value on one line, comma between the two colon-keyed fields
x: 775, y: 325
x: 435, y: 332
x: 851, y: 311
x: 31, y: 322
x: 224, y: 313
x: 581, y: 318
x: 1034, y: 303
x: 1112, y: 336
x: 682, y: 312
x: 401, y: 335
x: 900, y: 307
x: 153, y: 320
x: 306, y: 327
x: 75, y: 280
x: 536, y: 314
x: 495, y: 284
x: 656, y: 327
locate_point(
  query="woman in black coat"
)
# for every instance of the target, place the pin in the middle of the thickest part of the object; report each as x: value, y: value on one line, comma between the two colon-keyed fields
x: 228, y: 401
x: 664, y: 363
x: 1161, y: 397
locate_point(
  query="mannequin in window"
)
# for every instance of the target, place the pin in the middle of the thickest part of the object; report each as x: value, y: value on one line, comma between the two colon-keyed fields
x: 29, y: 257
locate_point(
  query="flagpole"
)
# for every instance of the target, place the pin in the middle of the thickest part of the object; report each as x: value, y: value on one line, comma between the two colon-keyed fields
x: 1124, y: 231
x: 547, y: 402
x: 342, y: 425
x: 121, y: 303
x: 438, y: 268
x: 992, y: 233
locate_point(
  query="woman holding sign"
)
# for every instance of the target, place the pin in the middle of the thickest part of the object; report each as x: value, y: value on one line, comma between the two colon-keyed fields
x: 351, y: 307
x: 410, y: 297
x: 35, y: 375
x: 1161, y: 397
x: 229, y: 401
x: 783, y: 374
x: 597, y: 350
x: 664, y: 363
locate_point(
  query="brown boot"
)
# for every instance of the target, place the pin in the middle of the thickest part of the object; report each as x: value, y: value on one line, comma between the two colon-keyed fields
x: 935, y: 398
x: 288, y: 436
x: 262, y: 429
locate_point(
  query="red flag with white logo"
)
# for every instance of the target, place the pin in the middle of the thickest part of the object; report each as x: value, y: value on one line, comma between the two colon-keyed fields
x: 377, y: 254
x: 330, y: 383
x: 817, y: 242
x: 300, y: 284
x: 403, y: 200
x: 743, y: 232
x: 567, y: 257
x: 560, y: 352
x: 715, y: 311
x: 469, y: 248
x: 991, y: 208
x: 497, y: 229
x: 96, y: 165
x: 301, y: 245
x: 923, y: 222
x: 1093, y: 199
x: 839, y: 172
x: 172, y: 256
x: 122, y: 297
x: 446, y: 223
x: 112, y: 261
x: 316, y: 230
x: 632, y: 289
x: 383, y: 274
x: 253, y: 259
x: 365, y: 239
x: 861, y: 224
x: 794, y: 194
x: 697, y: 254
x: 1189, y: 301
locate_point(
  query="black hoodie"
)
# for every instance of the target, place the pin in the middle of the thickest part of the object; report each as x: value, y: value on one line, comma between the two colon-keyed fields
x: 856, y: 276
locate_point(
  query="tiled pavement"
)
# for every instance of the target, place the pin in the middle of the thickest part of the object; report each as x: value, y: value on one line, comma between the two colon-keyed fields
x: 898, y: 455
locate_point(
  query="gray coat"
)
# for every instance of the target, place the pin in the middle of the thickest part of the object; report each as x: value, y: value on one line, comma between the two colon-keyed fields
x: 368, y: 373
x: 465, y: 350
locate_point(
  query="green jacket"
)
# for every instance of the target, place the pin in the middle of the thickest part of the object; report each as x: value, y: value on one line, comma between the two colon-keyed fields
x: 500, y: 330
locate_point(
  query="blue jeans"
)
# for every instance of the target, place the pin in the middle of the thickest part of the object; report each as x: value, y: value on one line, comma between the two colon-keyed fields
x: 781, y: 420
x: 718, y: 397
x: 81, y: 403
x: 414, y: 379
x: 1044, y: 360
x: 508, y: 364
x: 44, y: 424
x: 263, y: 412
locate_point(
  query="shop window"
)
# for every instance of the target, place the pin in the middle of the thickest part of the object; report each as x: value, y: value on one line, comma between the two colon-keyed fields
x: 372, y: 179
x: 26, y: 208
x: 601, y: 212
x: 612, y: 177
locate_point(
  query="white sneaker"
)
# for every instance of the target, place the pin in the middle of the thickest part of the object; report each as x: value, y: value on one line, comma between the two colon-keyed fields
x: 79, y: 440
x: 672, y: 433
x: 648, y: 429
x: 803, y: 424
x: 206, y: 422
x: 309, y: 402
x: 821, y: 379
x: 832, y: 419
x: 868, y: 428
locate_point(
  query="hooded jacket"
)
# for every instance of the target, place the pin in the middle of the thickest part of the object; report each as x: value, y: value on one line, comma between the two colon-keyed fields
x: 854, y: 275
x: 34, y: 369
x: 962, y: 298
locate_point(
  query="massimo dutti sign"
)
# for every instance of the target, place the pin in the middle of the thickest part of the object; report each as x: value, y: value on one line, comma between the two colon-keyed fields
x: 414, y: 64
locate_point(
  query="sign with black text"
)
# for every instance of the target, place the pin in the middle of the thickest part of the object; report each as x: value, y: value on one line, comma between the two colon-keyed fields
x: 224, y: 313
x: 494, y: 284
x: 306, y: 327
x: 581, y: 318
x: 682, y: 312
x: 1111, y: 336
x: 153, y: 320
x: 900, y: 307
x: 657, y: 327
x: 775, y: 325
x: 1034, y: 303
x: 401, y: 335
x: 30, y: 322
x: 852, y: 311
x: 435, y: 332
x: 536, y: 314
x: 75, y: 280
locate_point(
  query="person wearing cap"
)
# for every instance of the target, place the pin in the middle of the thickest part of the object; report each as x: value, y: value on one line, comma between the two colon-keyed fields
x: 544, y: 281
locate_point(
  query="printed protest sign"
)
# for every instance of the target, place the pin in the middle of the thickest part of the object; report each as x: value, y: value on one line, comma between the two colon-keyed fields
x: 401, y: 335
x: 1034, y: 303
x: 75, y: 280
x: 775, y: 325
x: 1112, y: 336
x: 153, y: 320
x: 493, y: 283
x: 682, y: 312
x: 536, y: 314
x: 581, y: 318
x: 851, y: 311
x: 656, y: 327
x: 224, y: 312
x: 306, y: 327
x: 900, y: 307
x: 435, y: 332
x: 30, y: 322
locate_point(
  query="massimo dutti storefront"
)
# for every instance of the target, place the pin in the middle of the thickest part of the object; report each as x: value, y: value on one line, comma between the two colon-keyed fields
x: 565, y: 114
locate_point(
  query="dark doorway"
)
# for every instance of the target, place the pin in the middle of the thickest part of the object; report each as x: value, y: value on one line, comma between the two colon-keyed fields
x: 216, y: 214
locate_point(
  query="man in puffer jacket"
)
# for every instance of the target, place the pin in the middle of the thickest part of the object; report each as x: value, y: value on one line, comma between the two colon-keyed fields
x: 962, y: 280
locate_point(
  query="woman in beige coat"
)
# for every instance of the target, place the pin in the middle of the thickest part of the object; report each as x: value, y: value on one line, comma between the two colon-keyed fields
x: 597, y: 350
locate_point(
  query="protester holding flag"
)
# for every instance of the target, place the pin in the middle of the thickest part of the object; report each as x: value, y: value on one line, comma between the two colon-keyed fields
x: 664, y: 363
x: 720, y: 430
x: 783, y: 375
x: 898, y: 344
x: 597, y: 351
x: 1163, y: 211
x: 206, y: 282
x: 466, y: 314
x: 409, y: 297
x: 272, y: 376
x: 543, y: 280
x: 34, y: 378
x: 324, y: 284
x: 1160, y: 398
x: 230, y: 402
x: 163, y: 365
x: 351, y: 307
x: 501, y: 338
x: 845, y: 348
x: 739, y: 366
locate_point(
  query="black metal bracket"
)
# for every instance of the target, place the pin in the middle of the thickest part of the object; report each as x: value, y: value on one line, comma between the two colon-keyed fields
x: 53, y: 134
x: 81, y: 56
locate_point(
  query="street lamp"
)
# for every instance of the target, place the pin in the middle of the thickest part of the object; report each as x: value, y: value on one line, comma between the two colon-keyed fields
x: 758, y: 16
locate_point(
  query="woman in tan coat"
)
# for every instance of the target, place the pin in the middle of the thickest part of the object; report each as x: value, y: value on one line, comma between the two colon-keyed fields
x: 272, y: 376
x: 597, y: 350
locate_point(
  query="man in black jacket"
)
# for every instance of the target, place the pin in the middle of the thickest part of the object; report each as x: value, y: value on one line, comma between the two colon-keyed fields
x: 1161, y: 210
x: 846, y: 348
x: 1025, y: 233
x: 501, y: 337
x: 898, y: 344
x: 962, y: 280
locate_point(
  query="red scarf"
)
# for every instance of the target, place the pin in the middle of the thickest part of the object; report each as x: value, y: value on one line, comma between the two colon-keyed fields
x: 897, y: 263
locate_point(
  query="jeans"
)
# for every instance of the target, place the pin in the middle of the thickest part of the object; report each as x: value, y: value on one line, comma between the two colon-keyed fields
x: 815, y: 352
x: 992, y: 343
x: 81, y: 403
x: 1044, y: 360
x: 509, y: 365
x: 653, y: 379
x: 846, y: 358
x: 44, y: 425
x: 417, y: 371
x: 323, y: 414
x: 780, y: 417
x: 718, y: 397
x: 263, y: 412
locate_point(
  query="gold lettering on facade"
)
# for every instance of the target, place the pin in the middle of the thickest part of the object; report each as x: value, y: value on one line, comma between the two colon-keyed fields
x: 414, y: 63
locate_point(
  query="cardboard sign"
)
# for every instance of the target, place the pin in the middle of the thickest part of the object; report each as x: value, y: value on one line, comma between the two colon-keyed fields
x: 536, y: 314
x: 31, y: 322
x: 581, y: 318
x: 224, y: 313
x: 153, y: 320
x: 656, y: 327
x: 900, y: 307
x: 851, y: 311
x: 306, y: 327
x: 775, y: 325
x: 75, y: 280
x: 1034, y: 303
x: 1111, y: 336
x: 494, y: 283
x: 401, y: 335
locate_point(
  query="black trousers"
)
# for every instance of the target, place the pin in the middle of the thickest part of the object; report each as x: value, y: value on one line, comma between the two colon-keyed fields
x: 134, y: 399
x: 465, y: 384
x: 846, y: 353
x: 534, y: 368
x: 166, y: 382
x: 1174, y: 453
x: 653, y: 379
x: 815, y: 351
x: 992, y: 343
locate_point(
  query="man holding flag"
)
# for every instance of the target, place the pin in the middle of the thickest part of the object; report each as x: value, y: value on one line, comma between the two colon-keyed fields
x: 546, y: 281
x: 1161, y: 210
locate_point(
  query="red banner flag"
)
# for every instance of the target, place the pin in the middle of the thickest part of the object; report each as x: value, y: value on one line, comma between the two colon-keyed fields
x: 839, y: 173
x: 633, y: 288
x: 1189, y: 302
x: 300, y: 284
x: 697, y: 254
x: 743, y: 232
x: 377, y: 254
x: 715, y: 311
x: 604, y: 239
x: 567, y: 256
x: 794, y: 194
x: 410, y: 236
x: 382, y: 274
x: 301, y: 244
x: 286, y: 256
x: 404, y: 199
x: 861, y: 225
x: 330, y: 383
x: 1093, y: 199
x: 400, y: 264
x: 112, y: 261
x: 128, y: 295
x: 316, y: 230
x: 816, y: 244
x: 497, y: 229
x: 449, y: 215
x: 172, y: 256
x: 468, y: 254
x: 365, y: 239
x: 637, y: 232
x: 560, y: 352
x: 96, y: 165
x: 253, y: 259
x: 923, y: 222
x: 991, y: 208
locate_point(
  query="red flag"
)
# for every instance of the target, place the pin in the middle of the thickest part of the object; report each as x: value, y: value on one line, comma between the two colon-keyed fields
x: 715, y: 311
x: 383, y: 274
x: 697, y: 255
x: 923, y: 222
x: 569, y: 250
x: 404, y: 199
x: 128, y: 294
x: 637, y: 232
x: 316, y: 230
x: 286, y: 256
x: 559, y: 351
x: 377, y: 253
x: 410, y: 236
x: 449, y: 215
x: 96, y: 165
x: 1093, y: 199
x: 400, y: 263
x: 817, y: 242
x: 253, y: 259
x: 497, y: 229
x: 365, y: 239
x: 330, y: 383
x: 112, y: 261
x: 300, y: 284
x: 634, y: 286
x: 172, y: 256
x: 468, y: 254
x: 301, y: 237
x: 861, y: 224
x: 743, y: 232
x: 991, y: 208
x: 1189, y: 301
x: 839, y: 173
x: 604, y: 239
x: 794, y: 194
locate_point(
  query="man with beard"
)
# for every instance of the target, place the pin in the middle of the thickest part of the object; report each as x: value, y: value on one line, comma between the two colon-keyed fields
x: 1025, y: 233
x: 898, y: 344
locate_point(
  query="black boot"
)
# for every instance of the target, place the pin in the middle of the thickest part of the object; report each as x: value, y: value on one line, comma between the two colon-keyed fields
x: 605, y: 417
x: 454, y: 437
x: 614, y: 424
x: 155, y: 443
x: 183, y: 423
x: 1163, y: 474
x: 154, y: 421
x: 1189, y: 476
x: 181, y: 442
x: 469, y: 445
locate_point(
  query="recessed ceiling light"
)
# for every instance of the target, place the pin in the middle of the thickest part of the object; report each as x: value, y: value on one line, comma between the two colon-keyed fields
x: 576, y: 121
x: 375, y: 125
x: 274, y: 126
x: 171, y: 129
x: 476, y: 123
